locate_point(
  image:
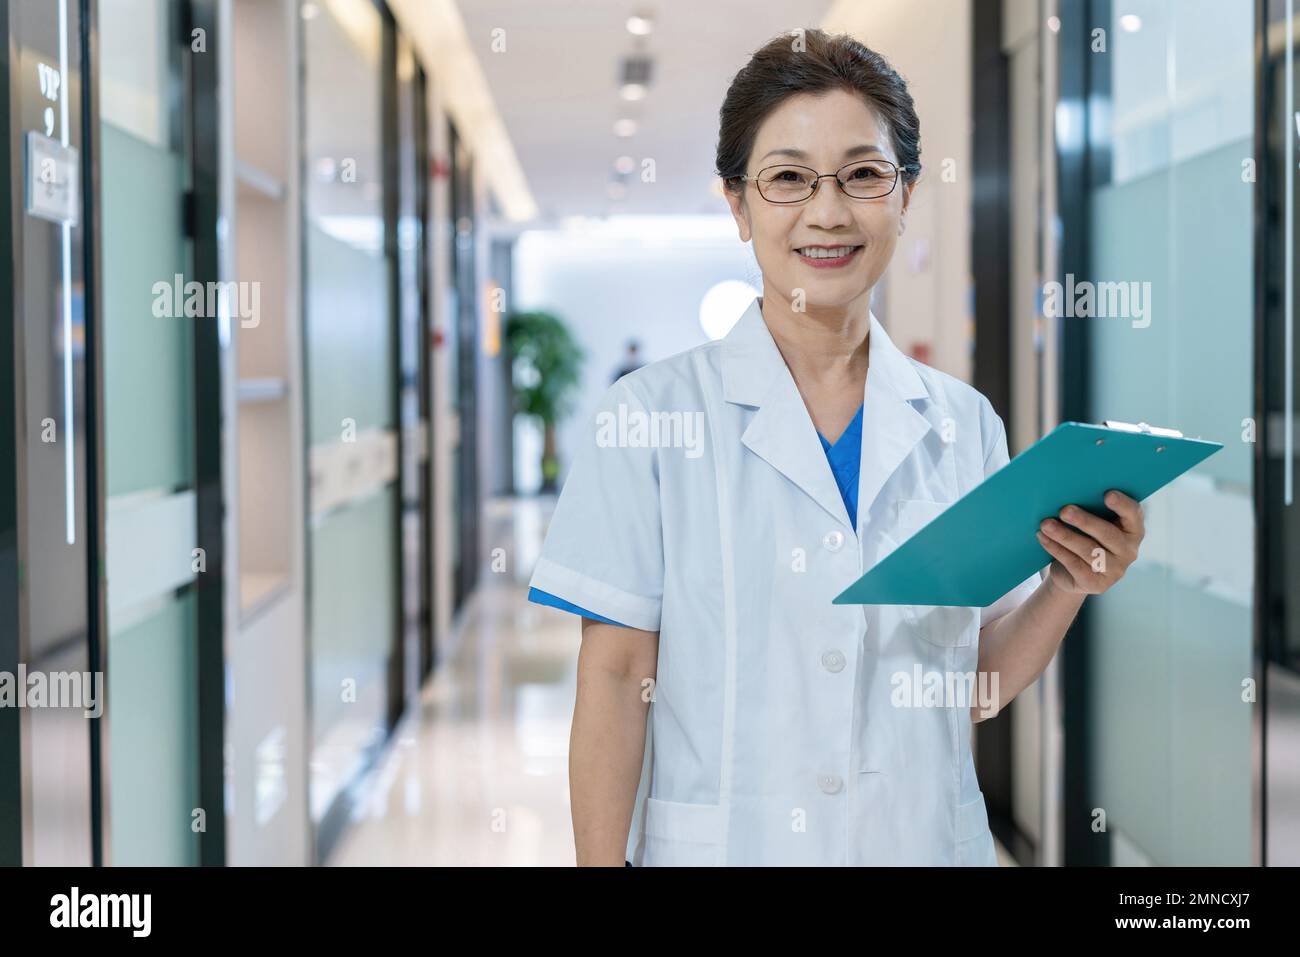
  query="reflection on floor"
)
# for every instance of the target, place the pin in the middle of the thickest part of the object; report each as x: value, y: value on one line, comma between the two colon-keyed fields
x: 479, y: 774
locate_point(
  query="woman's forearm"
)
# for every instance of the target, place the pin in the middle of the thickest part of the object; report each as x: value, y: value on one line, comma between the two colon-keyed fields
x: 1016, y: 648
x: 607, y: 742
x: 1091, y: 554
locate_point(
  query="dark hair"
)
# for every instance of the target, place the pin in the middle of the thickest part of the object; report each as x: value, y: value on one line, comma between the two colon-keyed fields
x: 827, y: 62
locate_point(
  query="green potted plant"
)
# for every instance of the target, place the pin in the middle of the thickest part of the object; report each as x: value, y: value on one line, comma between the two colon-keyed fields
x: 545, y: 367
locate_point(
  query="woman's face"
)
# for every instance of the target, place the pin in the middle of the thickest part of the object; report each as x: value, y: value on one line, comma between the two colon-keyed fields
x: 823, y: 132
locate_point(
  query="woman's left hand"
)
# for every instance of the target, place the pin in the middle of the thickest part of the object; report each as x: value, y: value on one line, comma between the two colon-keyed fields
x: 1092, y: 553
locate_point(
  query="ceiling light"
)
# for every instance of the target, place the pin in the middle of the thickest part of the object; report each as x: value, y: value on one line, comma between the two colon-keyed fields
x: 640, y: 26
x: 1130, y: 22
x: 634, y: 76
x: 625, y: 127
x: 625, y: 164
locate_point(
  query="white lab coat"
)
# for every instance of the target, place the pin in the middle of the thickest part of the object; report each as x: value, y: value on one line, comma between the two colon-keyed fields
x: 774, y: 734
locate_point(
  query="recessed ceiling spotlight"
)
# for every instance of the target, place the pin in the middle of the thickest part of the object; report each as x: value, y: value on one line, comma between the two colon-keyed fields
x: 1054, y: 24
x: 640, y: 25
x: 635, y: 74
x: 625, y: 127
x: 1130, y: 22
x: 625, y: 164
x: 310, y: 11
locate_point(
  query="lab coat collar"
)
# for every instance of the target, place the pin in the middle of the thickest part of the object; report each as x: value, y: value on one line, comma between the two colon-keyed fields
x: 782, y: 432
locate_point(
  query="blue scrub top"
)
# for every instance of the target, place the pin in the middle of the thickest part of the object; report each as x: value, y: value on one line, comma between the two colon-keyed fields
x: 845, y: 458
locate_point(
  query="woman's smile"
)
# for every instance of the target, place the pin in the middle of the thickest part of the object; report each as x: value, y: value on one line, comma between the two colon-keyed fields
x: 828, y: 257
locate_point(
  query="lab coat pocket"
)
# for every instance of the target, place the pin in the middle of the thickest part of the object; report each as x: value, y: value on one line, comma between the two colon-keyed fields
x: 975, y: 846
x: 682, y: 835
x: 942, y: 625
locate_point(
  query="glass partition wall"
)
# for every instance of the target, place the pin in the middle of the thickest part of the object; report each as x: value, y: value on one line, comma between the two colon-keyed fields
x: 354, y: 603
x: 149, y: 480
x: 149, y: 440
x: 1157, y: 180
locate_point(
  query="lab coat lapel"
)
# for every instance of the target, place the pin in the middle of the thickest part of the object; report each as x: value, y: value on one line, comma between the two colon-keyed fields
x: 781, y: 431
x: 891, y: 425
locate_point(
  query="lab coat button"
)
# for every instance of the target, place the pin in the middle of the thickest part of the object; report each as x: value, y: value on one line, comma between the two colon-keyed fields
x: 833, y: 541
x: 830, y: 783
x: 833, y: 661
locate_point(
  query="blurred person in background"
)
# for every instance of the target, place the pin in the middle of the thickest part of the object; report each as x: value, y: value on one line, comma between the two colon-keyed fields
x: 631, y: 360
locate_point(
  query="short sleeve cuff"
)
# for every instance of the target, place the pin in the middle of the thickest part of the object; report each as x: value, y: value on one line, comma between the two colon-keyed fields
x: 635, y: 611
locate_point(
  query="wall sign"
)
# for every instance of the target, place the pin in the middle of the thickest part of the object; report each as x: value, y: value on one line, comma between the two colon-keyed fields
x: 52, y: 177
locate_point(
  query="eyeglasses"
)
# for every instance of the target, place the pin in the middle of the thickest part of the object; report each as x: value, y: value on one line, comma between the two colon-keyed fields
x: 864, y: 179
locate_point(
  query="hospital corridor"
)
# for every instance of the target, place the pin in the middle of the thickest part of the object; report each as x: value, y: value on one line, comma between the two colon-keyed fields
x: 521, y: 434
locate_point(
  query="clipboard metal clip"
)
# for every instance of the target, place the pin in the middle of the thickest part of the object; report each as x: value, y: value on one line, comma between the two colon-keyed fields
x: 1142, y: 427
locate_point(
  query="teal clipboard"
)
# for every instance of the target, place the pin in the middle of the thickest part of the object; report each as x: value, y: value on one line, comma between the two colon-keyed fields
x: 983, y: 545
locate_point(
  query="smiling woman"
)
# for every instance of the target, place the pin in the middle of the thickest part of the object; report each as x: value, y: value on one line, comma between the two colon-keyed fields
x: 705, y: 576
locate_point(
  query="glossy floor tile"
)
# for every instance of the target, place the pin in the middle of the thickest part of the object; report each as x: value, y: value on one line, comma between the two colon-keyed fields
x: 479, y: 775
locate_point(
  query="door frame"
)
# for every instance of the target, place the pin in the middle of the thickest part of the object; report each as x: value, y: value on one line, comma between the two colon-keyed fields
x: 203, y: 98
x: 463, y: 281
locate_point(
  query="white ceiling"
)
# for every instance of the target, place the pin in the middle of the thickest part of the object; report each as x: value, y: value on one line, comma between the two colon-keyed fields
x: 556, y: 89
